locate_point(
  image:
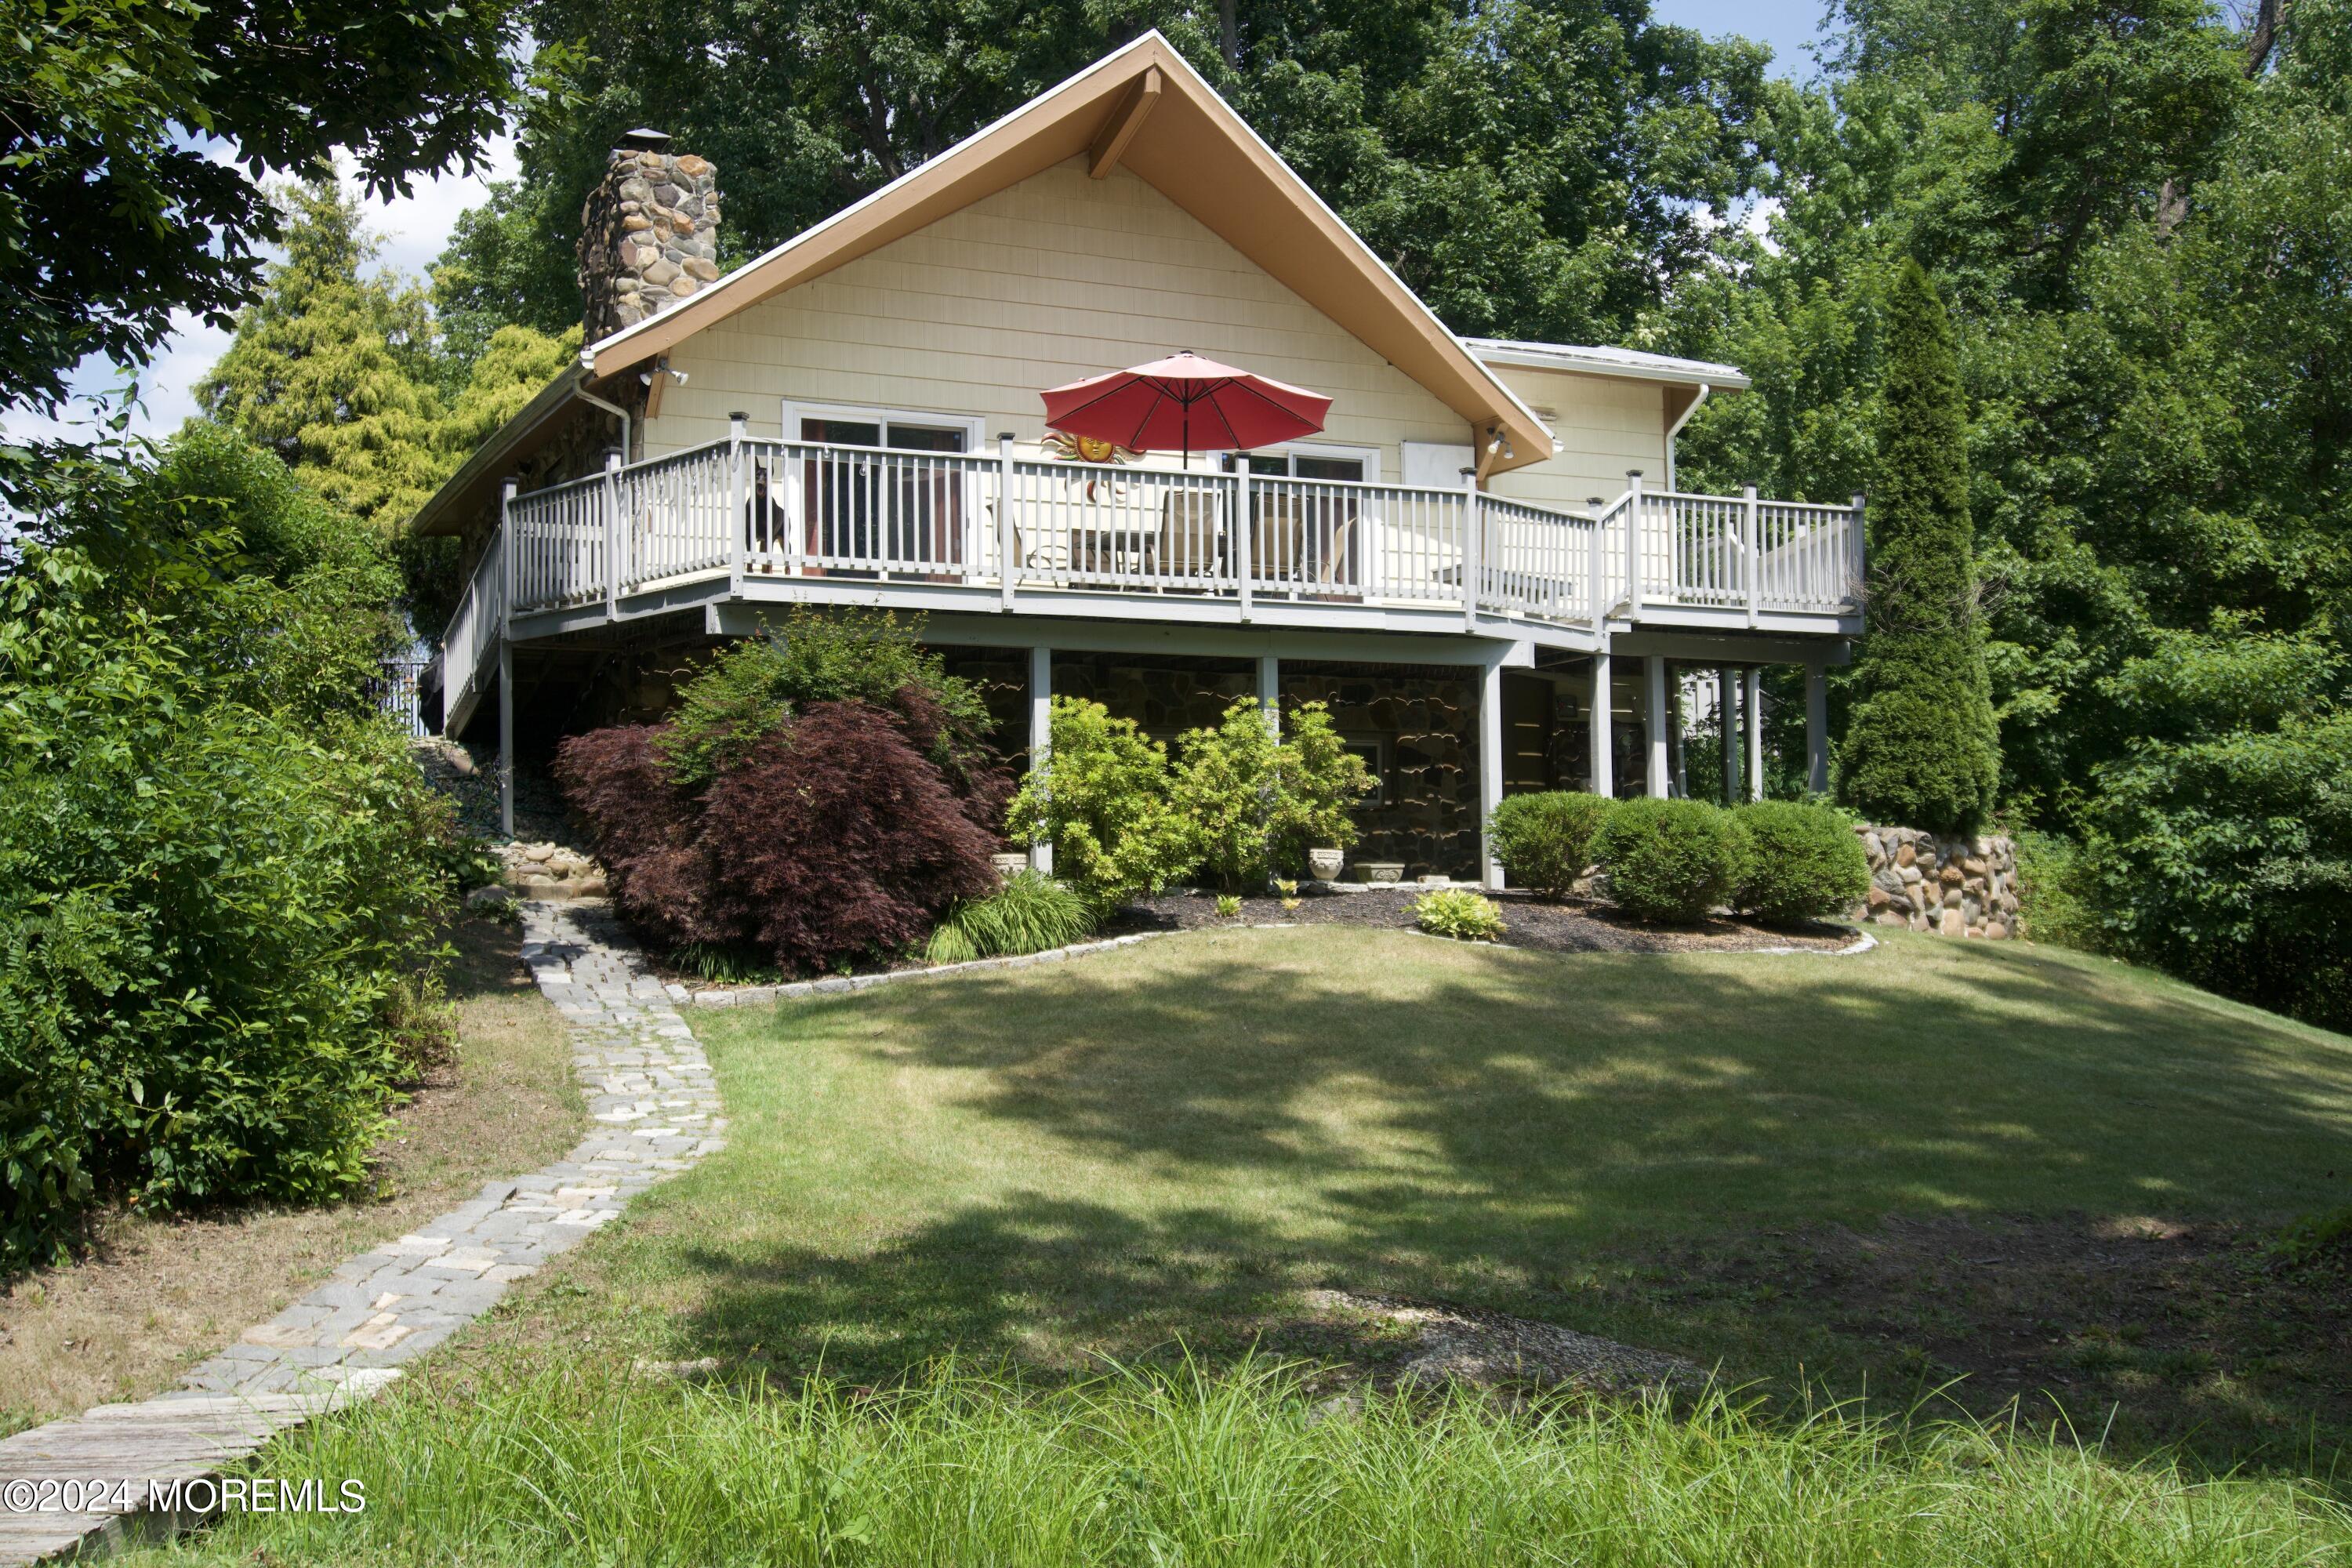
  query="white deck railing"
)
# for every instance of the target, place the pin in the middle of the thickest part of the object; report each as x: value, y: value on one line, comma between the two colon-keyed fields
x: 470, y: 645
x: 761, y: 508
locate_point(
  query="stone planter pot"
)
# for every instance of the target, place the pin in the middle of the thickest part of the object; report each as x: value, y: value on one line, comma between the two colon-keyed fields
x: 1325, y: 864
x: 1380, y: 871
x: 1009, y: 865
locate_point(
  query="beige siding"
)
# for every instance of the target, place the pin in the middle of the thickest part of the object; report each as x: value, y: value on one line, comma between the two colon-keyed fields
x: 1055, y: 278
x: 1604, y: 427
x: 1062, y: 277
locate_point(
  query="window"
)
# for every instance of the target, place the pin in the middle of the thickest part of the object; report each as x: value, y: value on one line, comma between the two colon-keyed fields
x: 900, y: 435
x: 1309, y: 463
x: 1374, y: 750
x: 900, y: 512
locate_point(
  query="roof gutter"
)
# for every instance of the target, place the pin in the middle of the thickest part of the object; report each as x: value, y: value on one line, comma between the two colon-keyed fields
x: 1676, y: 428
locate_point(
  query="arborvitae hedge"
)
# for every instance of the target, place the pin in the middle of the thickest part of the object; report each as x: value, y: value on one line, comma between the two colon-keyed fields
x: 1921, y: 748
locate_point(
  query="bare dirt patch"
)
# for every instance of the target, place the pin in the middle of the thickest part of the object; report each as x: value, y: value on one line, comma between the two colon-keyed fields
x: 154, y: 1295
x: 1527, y: 921
x: 1404, y: 1344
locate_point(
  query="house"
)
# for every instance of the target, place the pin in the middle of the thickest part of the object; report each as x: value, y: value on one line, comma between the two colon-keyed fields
x: 1482, y: 563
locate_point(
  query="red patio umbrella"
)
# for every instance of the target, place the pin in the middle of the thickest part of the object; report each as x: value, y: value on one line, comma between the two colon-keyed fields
x: 1185, y: 403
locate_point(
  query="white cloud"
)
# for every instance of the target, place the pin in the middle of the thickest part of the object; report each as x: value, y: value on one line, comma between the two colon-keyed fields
x: 414, y: 228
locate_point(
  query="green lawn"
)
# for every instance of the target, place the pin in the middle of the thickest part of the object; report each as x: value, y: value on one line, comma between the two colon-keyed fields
x: 2051, y: 1173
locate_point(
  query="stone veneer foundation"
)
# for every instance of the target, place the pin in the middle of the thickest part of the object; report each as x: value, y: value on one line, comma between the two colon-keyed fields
x: 1951, y: 887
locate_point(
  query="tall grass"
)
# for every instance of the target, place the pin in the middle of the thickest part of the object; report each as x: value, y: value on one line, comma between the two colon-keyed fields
x: 582, y: 1466
x: 1030, y: 913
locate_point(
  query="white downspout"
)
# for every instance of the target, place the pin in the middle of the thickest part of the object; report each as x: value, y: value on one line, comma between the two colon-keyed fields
x: 1676, y: 428
x: 614, y: 409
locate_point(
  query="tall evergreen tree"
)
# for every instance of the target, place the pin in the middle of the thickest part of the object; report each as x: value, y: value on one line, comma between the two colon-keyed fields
x: 1921, y: 748
x: 339, y: 371
x: 331, y: 369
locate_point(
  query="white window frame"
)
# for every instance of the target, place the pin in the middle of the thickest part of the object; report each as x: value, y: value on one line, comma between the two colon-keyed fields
x: 1371, y: 456
x: 973, y: 426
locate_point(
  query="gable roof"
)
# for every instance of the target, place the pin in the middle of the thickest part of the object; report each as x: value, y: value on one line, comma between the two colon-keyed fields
x: 1143, y: 108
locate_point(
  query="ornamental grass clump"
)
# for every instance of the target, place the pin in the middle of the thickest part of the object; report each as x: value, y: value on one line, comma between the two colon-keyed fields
x: 1544, y: 841
x: 1670, y: 860
x: 1030, y: 913
x: 1459, y: 913
x: 585, y: 1464
x: 1796, y: 860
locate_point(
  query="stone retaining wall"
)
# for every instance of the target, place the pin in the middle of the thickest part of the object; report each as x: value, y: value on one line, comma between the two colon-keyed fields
x: 1952, y: 887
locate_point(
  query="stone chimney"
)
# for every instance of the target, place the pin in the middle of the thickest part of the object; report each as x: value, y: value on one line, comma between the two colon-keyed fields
x: 649, y: 234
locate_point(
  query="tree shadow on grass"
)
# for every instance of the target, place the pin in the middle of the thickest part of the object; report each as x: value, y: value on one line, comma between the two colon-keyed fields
x: 1539, y: 1136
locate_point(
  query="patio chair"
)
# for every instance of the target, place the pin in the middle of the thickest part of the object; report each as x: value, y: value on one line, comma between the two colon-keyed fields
x: 1191, y: 535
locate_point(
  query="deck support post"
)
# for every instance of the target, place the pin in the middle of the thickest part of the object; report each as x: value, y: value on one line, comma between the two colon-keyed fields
x: 1244, y: 531
x: 1750, y: 550
x: 1490, y: 767
x: 1727, y: 711
x: 506, y: 545
x: 613, y: 533
x: 1269, y: 692
x: 1041, y: 736
x: 1752, y: 721
x: 1632, y: 544
x: 1603, y: 758
x: 1817, y: 729
x: 1008, y: 541
x: 738, y: 510
x: 1473, y: 548
x: 1657, y: 719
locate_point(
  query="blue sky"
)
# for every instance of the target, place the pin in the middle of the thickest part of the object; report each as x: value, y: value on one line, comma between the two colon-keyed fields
x: 415, y: 228
x: 1789, y: 26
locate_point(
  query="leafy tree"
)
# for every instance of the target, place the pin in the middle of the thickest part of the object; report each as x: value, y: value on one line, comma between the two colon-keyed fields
x: 2222, y: 846
x: 114, y: 215
x: 333, y: 371
x: 219, y: 870
x: 1921, y: 747
x: 339, y: 373
x: 1538, y: 167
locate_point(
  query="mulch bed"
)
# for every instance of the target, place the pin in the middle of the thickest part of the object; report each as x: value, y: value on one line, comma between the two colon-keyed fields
x: 1527, y: 922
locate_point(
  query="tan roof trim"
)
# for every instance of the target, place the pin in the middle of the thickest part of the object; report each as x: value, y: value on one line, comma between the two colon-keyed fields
x: 1189, y: 143
x: 468, y: 491
x: 1120, y: 130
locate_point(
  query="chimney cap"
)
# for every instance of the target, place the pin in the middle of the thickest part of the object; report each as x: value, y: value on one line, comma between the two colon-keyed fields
x: 644, y: 140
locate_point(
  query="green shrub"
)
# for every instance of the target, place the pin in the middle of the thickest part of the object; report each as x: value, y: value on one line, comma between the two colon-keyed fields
x: 220, y: 871
x: 1668, y: 860
x: 1544, y: 841
x: 744, y: 694
x: 1030, y: 913
x: 726, y: 963
x: 2054, y: 891
x: 1459, y: 913
x: 1102, y: 800
x: 1796, y: 860
x: 1257, y: 803
x: 2228, y: 861
x: 1229, y: 905
x: 211, y: 922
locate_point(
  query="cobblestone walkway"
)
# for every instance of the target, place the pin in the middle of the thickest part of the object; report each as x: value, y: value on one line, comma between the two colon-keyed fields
x: 654, y: 1111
